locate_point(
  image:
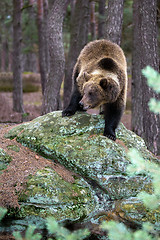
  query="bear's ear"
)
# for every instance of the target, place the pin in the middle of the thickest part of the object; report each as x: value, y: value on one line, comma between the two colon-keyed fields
x: 108, y: 64
x: 103, y: 83
x: 86, y: 76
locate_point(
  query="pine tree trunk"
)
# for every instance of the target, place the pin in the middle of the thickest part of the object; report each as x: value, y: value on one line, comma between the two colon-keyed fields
x: 3, y: 56
x: 43, y: 43
x: 145, y: 123
x: 93, y: 20
x: 78, y: 39
x: 30, y: 56
x: 45, y: 20
x: 10, y: 61
x: 73, y: 3
x: 114, y: 21
x: 17, y: 68
x: 101, y: 18
x: 51, y: 99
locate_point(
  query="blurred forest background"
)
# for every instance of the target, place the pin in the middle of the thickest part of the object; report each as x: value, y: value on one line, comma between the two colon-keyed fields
x: 40, y: 41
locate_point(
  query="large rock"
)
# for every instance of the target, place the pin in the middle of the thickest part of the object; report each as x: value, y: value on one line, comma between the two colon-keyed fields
x: 46, y: 193
x: 102, y: 185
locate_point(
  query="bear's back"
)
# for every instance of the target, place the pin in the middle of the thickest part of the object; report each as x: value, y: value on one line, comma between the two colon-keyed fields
x: 96, y: 50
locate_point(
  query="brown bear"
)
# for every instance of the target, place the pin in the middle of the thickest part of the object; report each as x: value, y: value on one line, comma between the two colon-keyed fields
x: 100, y: 78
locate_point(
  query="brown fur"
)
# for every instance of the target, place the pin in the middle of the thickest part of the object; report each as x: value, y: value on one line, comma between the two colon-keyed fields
x: 100, y: 77
x: 88, y: 62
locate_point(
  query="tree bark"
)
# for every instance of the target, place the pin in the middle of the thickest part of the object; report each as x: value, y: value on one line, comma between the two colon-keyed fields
x: 101, y: 19
x: 73, y: 3
x: 57, y: 61
x: 10, y: 61
x: 17, y: 68
x: 114, y: 21
x: 45, y: 20
x: 93, y: 20
x: 4, y: 56
x: 145, y: 123
x: 78, y: 39
x: 5, y: 32
x: 43, y: 43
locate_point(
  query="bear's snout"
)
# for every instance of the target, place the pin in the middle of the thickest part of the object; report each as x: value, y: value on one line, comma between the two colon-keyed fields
x: 83, y: 103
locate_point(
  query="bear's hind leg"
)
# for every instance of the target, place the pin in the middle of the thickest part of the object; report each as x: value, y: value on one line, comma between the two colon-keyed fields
x: 112, y: 113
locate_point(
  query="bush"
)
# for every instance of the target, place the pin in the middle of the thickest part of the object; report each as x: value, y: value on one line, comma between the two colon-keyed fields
x: 56, y: 230
x: 6, y: 82
x: 31, y: 82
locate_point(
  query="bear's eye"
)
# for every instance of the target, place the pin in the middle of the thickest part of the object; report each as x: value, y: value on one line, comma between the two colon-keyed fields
x: 90, y: 93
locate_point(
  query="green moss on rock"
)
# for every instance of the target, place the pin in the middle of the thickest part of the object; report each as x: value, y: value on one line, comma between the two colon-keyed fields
x: 5, y: 159
x: 78, y: 143
x: 133, y: 209
x: 48, y: 194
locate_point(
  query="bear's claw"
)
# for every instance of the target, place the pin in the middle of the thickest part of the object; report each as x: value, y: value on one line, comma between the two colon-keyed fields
x: 111, y: 137
x: 67, y: 113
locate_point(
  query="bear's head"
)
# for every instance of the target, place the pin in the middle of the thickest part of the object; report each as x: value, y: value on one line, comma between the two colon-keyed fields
x: 98, y: 90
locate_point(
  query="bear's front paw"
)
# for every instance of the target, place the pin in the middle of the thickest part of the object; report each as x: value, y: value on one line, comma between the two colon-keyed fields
x: 111, y: 137
x: 110, y: 134
x: 67, y: 113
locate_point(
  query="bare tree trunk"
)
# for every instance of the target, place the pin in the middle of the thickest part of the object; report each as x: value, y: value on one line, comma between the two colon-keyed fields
x: 145, y: 123
x: 78, y: 39
x: 3, y: 56
x: 45, y: 20
x: 93, y: 20
x: 101, y: 19
x: 114, y: 21
x: 73, y: 3
x: 29, y: 62
x: 29, y: 57
x: 43, y: 43
x: 57, y: 60
x: 10, y: 60
x: 17, y: 68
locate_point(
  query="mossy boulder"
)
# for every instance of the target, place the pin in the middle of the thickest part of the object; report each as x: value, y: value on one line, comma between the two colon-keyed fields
x: 47, y: 194
x: 78, y: 143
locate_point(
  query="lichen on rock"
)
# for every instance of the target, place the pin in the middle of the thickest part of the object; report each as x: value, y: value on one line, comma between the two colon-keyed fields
x: 78, y: 143
x: 47, y: 193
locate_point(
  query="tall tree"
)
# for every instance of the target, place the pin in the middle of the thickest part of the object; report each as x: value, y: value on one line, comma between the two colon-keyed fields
x: 79, y: 37
x: 42, y: 13
x: 4, y: 51
x: 145, y: 123
x: 101, y: 18
x: 30, y: 37
x: 72, y: 3
x: 17, y: 67
x: 51, y: 99
x: 93, y: 20
x: 114, y: 20
x: 6, y: 10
